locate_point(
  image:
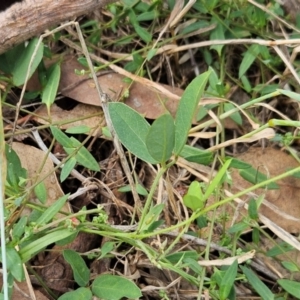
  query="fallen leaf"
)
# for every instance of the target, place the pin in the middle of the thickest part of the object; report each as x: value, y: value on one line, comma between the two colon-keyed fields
x: 32, y: 159
x: 88, y: 115
x: 286, y: 198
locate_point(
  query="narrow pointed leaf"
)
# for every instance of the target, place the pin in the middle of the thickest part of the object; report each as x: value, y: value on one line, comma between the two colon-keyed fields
x: 22, y: 61
x: 257, y: 284
x: 52, y: 210
x: 50, y: 90
x: 160, y: 138
x: 187, y: 108
x: 254, y: 177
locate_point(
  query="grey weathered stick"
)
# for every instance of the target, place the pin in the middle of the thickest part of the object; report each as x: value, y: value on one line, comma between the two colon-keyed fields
x: 29, y: 18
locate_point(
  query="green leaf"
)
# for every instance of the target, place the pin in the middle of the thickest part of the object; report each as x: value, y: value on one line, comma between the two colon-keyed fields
x: 38, y: 245
x: 111, y: 287
x: 83, y: 156
x: 254, y: 177
x: 176, y: 257
x: 192, y: 154
x: 14, y: 263
x: 152, y: 216
x: 194, y: 197
x: 41, y: 192
x: 290, y: 94
x: 217, y: 179
x: 236, y: 116
x: 67, y: 168
x: 50, y: 90
x: 131, y: 129
x: 291, y: 266
x: 228, y: 280
x: 187, y: 108
x: 217, y: 34
x: 80, y: 270
x: 106, y: 248
x: 19, y: 228
x: 281, y: 248
x: 78, y: 129
x: 238, y: 164
x: 248, y: 59
x: 62, y: 138
x: 52, y: 210
x: 22, y: 61
x: 143, y: 33
x: 252, y: 209
x: 257, y: 284
x: 290, y: 286
x: 79, y: 294
x: 160, y: 138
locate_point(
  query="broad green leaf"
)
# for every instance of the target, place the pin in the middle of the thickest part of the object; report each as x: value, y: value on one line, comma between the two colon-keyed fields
x: 254, y: 177
x: 62, y: 138
x: 67, y: 168
x: 50, y: 90
x: 111, y: 287
x: 131, y: 129
x: 79, y: 294
x: 160, y: 138
x: 257, y: 284
x: 192, y: 154
x: 78, y: 129
x: 52, y: 210
x: 248, y: 59
x: 292, y: 287
x: 14, y: 263
x: 80, y: 271
x: 194, y: 197
x: 236, y: 116
x: 228, y: 280
x: 38, y: 245
x: 150, y: 54
x: 83, y: 156
x: 22, y: 61
x: 217, y: 180
x: 41, y: 192
x: 187, y: 108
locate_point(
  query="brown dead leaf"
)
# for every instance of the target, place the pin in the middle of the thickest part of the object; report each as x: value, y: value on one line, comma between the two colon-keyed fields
x: 141, y: 98
x: 32, y: 159
x: 21, y: 291
x: 286, y: 199
x: 92, y: 116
